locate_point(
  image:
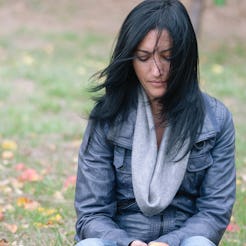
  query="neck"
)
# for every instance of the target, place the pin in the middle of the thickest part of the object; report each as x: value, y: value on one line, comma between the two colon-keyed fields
x: 156, y: 112
x: 158, y: 121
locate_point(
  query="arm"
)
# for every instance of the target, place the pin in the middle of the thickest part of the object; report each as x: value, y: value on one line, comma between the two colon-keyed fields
x: 95, y: 190
x: 217, y: 193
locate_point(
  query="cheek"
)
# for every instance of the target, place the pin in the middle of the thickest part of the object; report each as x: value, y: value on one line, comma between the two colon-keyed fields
x: 139, y: 70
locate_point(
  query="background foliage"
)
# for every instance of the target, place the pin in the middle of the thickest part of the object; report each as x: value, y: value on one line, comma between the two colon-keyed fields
x: 48, y: 51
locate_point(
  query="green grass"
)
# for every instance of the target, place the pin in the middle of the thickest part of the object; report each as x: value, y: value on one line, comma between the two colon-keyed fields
x: 223, y: 76
x: 43, y: 103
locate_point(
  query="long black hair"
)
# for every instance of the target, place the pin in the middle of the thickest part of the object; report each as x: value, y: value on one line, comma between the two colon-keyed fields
x: 182, y: 103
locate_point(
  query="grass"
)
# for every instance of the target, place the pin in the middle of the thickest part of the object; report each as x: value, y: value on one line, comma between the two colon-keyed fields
x: 43, y: 103
x: 223, y: 76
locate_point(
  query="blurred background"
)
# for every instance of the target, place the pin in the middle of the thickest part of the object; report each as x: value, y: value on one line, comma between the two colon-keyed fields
x: 48, y: 51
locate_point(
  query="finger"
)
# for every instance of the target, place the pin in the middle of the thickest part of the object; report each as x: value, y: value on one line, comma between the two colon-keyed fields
x: 157, y: 244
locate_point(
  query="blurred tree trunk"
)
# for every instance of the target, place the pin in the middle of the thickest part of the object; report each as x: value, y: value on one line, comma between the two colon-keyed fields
x: 196, y: 12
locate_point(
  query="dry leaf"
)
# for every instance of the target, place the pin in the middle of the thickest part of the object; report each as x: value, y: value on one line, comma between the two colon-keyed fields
x: 233, y: 227
x: 25, y: 226
x: 40, y: 225
x: 11, y: 227
x: 9, y: 145
x: 58, y: 196
x: 27, y: 203
x: 8, y: 207
x: 17, y: 186
x: 4, y: 242
x: 7, y: 155
x: 76, y: 143
x: 217, y: 69
x: 45, y: 211
x: 55, y: 219
x: 30, y: 175
x: 20, y: 167
x: 70, y: 181
x: 1, y: 216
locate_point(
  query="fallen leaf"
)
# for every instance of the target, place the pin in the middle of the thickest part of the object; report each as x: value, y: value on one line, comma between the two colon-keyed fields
x: 20, y: 167
x: 30, y: 175
x: 17, y: 186
x: 1, y: 216
x: 58, y: 196
x: 75, y: 159
x: 4, y: 242
x: 217, y: 69
x: 25, y: 226
x: 7, y: 155
x: 46, y: 171
x: 11, y: 227
x: 233, y: 227
x: 55, y: 219
x: 8, y: 207
x: 9, y: 145
x: 40, y: 225
x: 70, y: 181
x: 76, y: 143
x: 27, y: 203
x: 244, y: 178
x: 238, y: 181
x: 45, y: 211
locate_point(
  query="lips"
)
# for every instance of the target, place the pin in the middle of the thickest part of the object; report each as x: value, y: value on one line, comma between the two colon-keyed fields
x: 157, y: 83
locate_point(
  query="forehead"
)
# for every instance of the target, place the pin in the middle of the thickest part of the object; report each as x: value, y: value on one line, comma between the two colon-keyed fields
x: 156, y: 39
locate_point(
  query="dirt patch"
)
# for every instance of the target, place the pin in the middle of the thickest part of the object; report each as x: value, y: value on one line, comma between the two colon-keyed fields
x: 226, y: 23
x: 220, y: 24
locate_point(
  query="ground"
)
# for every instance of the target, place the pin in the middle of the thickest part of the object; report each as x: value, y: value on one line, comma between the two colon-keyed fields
x: 49, y: 41
x: 219, y: 23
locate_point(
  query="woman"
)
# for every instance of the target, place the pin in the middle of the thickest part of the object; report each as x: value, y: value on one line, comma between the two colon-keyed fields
x: 156, y: 166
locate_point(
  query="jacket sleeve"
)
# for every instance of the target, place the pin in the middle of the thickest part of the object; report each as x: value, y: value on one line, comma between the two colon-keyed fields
x: 217, y: 192
x: 95, y: 189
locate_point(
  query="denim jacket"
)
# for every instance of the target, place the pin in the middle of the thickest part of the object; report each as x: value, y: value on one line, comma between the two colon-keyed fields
x: 104, y: 198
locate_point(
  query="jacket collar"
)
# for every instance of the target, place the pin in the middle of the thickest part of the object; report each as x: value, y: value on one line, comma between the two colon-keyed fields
x: 122, y: 130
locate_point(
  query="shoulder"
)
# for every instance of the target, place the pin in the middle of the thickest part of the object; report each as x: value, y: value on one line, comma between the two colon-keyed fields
x: 217, y: 120
x: 119, y: 130
x: 214, y: 108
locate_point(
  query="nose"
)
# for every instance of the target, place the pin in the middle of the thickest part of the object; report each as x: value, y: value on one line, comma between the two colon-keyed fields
x: 156, y: 67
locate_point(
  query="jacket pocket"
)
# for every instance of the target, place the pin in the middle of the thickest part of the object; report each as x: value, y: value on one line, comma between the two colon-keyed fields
x: 122, y: 160
x: 122, y: 165
x: 202, y: 147
x: 199, y: 161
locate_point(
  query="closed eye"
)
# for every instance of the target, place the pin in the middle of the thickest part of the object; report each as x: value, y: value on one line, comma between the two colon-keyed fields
x: 143, y: 55
x: 166, y: 58
x: 166, y: 55
x: 142, y: 58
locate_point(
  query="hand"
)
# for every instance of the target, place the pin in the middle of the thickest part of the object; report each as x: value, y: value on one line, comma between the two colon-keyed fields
x: 138, y: 243
x: 157, y: 244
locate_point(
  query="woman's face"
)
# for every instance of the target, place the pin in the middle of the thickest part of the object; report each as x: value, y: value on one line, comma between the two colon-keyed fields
x: 152, y: 62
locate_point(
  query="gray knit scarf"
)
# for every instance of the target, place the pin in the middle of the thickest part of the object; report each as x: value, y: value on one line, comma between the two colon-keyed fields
x: 156, y: 176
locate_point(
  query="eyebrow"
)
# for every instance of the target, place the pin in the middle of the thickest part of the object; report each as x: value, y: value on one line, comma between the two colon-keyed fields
x: 148, y: 52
